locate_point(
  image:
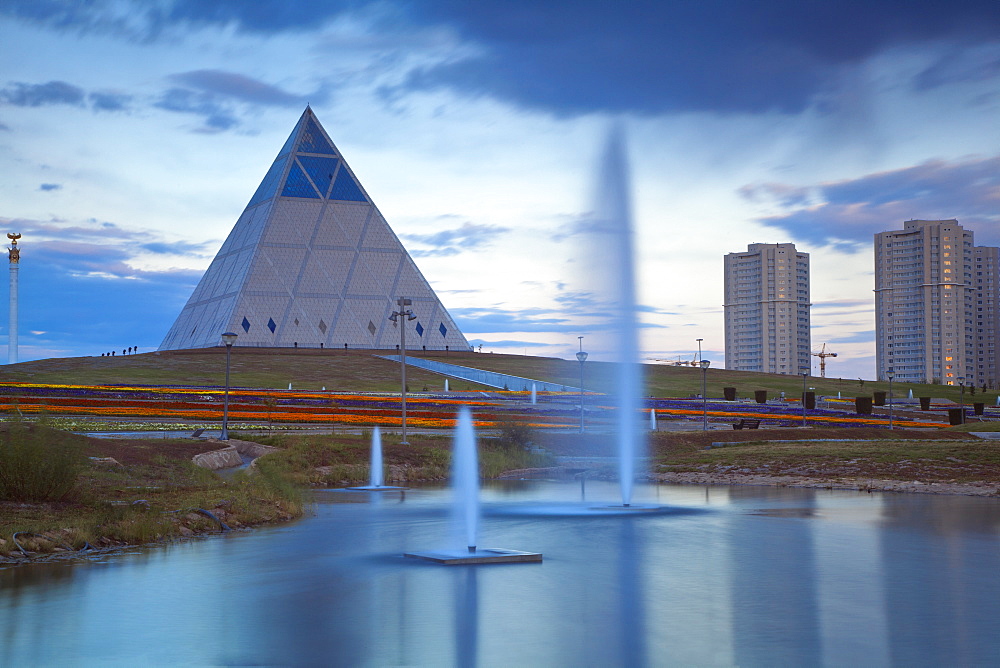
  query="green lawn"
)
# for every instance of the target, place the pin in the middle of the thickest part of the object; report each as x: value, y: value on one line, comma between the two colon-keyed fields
x: 363, y: 371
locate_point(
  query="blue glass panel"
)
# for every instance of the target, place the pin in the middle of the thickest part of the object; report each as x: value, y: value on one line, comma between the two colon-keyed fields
x: 346, y: 188
x: 321, y: 170
x: 443, y: 330
x: 289, y: 142
x: 269, y: 185
x: 270, y: 325
x: 297, y: 185
x: 313, y: 141
x: 246, y: 325
x: 420, y: 329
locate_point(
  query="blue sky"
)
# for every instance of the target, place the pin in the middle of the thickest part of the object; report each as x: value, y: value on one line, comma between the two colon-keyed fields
x: 132, y: 134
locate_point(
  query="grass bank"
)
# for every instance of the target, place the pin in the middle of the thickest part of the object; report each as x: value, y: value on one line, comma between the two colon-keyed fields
x: 330, y: 460
x: 836, y: 455
x: 123, y: 492
x: 106, y: 493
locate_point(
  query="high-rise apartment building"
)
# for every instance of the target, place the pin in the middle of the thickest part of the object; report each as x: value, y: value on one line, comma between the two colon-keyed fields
x: 767, y: 309
x: 986, y: 272
x: 930, y: 302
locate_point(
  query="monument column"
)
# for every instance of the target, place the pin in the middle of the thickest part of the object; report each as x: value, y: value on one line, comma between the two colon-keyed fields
x: 15, y: 258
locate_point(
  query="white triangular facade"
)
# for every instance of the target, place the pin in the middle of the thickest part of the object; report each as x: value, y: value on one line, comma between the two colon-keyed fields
x: 312, y: 263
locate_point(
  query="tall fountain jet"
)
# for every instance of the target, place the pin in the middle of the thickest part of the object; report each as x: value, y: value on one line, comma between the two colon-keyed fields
x: 612, y: 231
x: 375, y: 477
x: 465, y: 480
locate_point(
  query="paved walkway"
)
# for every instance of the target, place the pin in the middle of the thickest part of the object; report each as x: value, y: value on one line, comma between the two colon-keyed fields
x: 488, y: 378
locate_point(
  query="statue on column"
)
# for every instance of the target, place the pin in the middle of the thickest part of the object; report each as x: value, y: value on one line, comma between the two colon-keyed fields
x: 14, y: 251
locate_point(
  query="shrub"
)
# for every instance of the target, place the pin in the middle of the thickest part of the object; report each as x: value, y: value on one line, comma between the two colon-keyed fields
x: 38, y: 464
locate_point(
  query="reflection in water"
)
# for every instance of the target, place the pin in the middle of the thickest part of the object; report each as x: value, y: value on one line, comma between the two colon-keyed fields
x: 773, y: 585
x: 938, y: 590
x: 746, y: 576
x: 466, y: 618
x: 631, y: 601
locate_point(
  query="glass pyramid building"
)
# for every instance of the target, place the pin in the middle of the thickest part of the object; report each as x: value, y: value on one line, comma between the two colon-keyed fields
x: 311, y: 263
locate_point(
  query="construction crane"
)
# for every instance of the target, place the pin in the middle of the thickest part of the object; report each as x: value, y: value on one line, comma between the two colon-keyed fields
x: 822, y: 355
x: 677, y: 362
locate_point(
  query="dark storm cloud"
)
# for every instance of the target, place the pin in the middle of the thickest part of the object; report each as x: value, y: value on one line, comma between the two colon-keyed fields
x: 230, y: 84
x: 852, y: 211
x: 645, y: 56
x: 21, y: 94
x: 454, y: 241
x: 723, y: 55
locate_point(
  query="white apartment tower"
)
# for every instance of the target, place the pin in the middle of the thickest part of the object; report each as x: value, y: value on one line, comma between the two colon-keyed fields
x: 987, y: 314
x: 925, y: 303
x: 767, y: 309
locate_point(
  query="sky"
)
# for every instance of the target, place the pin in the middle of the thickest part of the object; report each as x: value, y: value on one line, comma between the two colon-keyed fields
x: 134, y: 132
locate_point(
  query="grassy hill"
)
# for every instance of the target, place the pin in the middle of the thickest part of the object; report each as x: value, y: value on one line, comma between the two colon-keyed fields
x: 363, y: 371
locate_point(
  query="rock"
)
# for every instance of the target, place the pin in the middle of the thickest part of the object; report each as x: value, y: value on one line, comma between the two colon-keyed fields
x: 186, y: 532
x: 225, y: 458
x: 104, y: 461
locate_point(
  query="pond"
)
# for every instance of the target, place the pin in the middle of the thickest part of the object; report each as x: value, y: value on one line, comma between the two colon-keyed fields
x: 748, y: 576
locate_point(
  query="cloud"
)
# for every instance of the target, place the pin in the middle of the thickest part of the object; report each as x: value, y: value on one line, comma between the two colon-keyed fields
x: 494, y: 320
x: 21, y: 94
x: 568, y: 58
x: 850, y: 212
x: 86, y: 294
x: 47, y: 187
x: 454, y: 241
x: 237, y: 86
x: 91, y: 247
x: 652, y: 57
x: 175, y: 248
x: 217, y: 116
x: 105, y: 101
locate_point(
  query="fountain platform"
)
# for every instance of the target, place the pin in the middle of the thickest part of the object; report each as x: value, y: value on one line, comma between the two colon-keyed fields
x: 633, y: 508
x: 486, y: 555
x: 375, y: 488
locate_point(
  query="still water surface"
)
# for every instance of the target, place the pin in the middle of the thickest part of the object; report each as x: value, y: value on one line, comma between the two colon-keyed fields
x: 733, y: 576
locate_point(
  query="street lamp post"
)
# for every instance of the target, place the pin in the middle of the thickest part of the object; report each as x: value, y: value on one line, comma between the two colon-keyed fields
x: 961, y: 400
x: 405, y: 314
x: 704, y: 396
x: 229, y: 338
x: 890, y: 374
x: 805, y: 376
x: 582, y: 356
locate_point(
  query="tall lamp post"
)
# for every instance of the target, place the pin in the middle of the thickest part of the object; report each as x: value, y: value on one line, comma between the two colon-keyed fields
x: 961, y: 399
x: 229, y: 338
x: 805, y: 376
x: 704, y: 364
x: 582, y: 356
x: 405, y: 314
x: 890, y: 374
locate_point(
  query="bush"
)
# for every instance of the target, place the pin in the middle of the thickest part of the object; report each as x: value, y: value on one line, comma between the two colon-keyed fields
x: 514, y: 432
x: 38, y: 464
